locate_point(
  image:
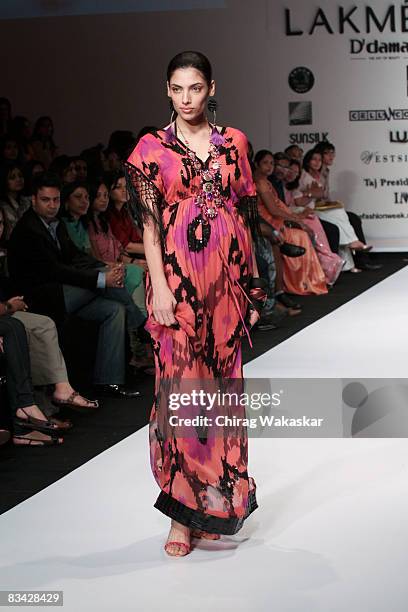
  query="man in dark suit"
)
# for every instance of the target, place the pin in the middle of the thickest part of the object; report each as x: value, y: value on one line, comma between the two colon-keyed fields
x: 57, y: 279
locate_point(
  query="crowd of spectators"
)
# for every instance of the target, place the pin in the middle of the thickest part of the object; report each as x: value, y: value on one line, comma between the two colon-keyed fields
x: 69, y: 245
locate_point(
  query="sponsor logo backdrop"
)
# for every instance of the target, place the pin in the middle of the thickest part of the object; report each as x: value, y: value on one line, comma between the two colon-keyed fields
x: 358, y: 56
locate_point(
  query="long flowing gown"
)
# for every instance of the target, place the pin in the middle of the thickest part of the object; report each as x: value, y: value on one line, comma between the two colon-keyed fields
x: 204, y: 481
x: 301, y: 275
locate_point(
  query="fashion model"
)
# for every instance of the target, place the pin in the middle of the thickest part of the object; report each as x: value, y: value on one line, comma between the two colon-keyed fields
x: 193, y: 194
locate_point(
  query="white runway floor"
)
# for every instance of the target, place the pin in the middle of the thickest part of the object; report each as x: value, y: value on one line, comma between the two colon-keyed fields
x: 330, y: 534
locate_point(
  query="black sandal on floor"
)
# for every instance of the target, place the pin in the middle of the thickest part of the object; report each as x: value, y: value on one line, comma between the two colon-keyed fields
x: 35, y: 423
x: 54, y: 441
x: 70, y: 403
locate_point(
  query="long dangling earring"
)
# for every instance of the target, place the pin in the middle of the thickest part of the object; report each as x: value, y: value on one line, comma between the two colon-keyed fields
x: 212, y: 107
x: 173, y: 112
x: 216, y: 138
x: 169, y: 133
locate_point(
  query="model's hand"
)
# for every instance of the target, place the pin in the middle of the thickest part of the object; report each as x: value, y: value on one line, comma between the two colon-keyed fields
x: 164, y: 304
x: 253, y: 318
x: 279, y: 238
x: 17, y: 304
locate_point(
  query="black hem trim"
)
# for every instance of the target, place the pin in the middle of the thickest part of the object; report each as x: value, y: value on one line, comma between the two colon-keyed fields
x: 195, y: 519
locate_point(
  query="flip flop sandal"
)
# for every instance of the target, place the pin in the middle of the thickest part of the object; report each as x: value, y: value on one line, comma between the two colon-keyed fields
x: 53, y: 442
x: 32, y: 422
x: 70, y: 403
x: 186, y: 547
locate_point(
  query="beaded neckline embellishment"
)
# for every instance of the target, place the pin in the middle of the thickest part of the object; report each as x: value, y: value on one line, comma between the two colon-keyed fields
x: 209, y: 197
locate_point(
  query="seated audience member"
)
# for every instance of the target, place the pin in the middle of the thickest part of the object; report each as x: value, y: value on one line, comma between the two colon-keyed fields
x: 273, y: 311
x: 120, y: 218
x: 295, y: 153
x: 96, y: 161
x: 331, y: 263
x: 30, y: 169
x: 328, y: 153
x: 106, y: 247
x: 12, y: 200
x: 301, y: 275
x: 5, y: 116
x: 30, y: 425
x: 113, y: 161
x: 64, y: 167
x: 47, y: 363
x: 22, y: 132
x: 81, y: 167
x: 75, y: 206
x: 42, y: 143
x: 280, y: 167
x: 57, y: 279
x: 122, y: 142
x: 10, y: 151
x: 278, y: 179
x: 310, y: 191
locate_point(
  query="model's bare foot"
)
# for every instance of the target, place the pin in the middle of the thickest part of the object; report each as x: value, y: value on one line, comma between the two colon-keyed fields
x: 33, y: 438
x: 204, y: 535
x: 178, y: 541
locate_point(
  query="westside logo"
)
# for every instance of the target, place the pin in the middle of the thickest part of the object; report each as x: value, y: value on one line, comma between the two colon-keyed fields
x: 375, y: 157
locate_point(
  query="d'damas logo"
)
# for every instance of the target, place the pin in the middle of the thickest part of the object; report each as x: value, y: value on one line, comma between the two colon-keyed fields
x: 365, y: 26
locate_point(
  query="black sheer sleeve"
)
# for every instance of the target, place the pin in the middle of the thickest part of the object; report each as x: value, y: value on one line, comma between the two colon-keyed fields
x: 146, y: 200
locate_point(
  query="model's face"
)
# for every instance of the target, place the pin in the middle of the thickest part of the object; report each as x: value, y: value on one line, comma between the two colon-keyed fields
x: 266, y: 165
x: 70, y: 173
x: 329, y: 157
x: 81, y: 168
x: 78, y: 203
x: 189, y: 93
x: 10, y: 150
x: 100, y: 203
x: 46, y: 203
x: 316, y: 162
x: 15, y: 181
x: 119, y: 192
